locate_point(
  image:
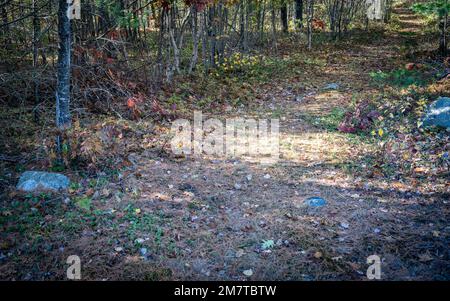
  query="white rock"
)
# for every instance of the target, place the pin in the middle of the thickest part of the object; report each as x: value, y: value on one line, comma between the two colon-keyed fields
x: 248, y: 272
x: 345, y: 225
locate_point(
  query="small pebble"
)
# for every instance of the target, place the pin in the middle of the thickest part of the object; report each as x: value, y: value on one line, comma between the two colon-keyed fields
x: 248, y: 272
x: 143, y: 251
x: 345, y: 225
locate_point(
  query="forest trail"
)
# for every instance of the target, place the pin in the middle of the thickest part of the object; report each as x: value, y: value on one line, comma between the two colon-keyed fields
x: 214, y: 218
x: 408, y: 21
x: 222, y: 216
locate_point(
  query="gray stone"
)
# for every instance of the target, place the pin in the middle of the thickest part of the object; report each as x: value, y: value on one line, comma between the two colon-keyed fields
x: 39, y: 180
x: 345, y: 225
x: 315, y: 202
x: 139, y: 240
x: 143, y: 251
x: 332, y: 86
x: 438, y: 113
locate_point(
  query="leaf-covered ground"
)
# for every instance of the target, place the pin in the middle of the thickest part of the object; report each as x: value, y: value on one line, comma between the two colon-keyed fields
x: 158, y: 217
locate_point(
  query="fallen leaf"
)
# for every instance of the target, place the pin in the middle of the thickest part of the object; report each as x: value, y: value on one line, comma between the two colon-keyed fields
x: 89, y: 192
x: 425, y: 257
x: 345, y: 225
x: 354, y: 265
x: 420, y: 170
x: 239, y: 253
x: 248, y: 272
x: 398, y: 185
x: 267, y: 244
x: 318, y: 255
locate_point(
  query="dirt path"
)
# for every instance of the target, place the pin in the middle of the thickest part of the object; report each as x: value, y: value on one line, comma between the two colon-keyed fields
x: 216, y: 213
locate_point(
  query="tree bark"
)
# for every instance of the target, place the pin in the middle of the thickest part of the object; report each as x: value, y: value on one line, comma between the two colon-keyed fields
x: 299, y: 13
x: 195, y: 38
x: 443, y: 43
x: 284, y: 16
x: 63, y: 120
x: 274, y: 29
x: 310, y: 18
x: 36, y: 44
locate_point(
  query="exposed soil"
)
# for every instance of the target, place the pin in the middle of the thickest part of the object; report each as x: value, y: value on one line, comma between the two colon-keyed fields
x: 206, y: 218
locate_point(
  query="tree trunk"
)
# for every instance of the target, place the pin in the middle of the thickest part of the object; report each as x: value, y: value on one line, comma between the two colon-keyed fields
x: 195, y: 38
x: 299, y: 13
x: 274, y: 28
x: 159, y: 56
x: 5, y: 26
x: 263, y: 17
x: 284, y: 16
x: 443, y: 43
x: 36, y: 37
x: 212, y: 35
x: 387, y: 10
x: 63, y: 120
x: 310, y: 18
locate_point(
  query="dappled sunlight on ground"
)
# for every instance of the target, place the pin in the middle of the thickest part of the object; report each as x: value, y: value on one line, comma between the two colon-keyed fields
x: 317, y: 148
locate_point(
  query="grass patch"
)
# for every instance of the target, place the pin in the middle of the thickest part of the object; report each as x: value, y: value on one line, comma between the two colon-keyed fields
x: 143, y: 223
x: 84, y: 203
x: 399, y: 78
x: 329, y: 122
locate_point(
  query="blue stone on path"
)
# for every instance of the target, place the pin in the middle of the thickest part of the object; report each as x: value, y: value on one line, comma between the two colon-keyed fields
x: 332, y: 86
x: 315, y: 202
x: 143, y: 251
x: 39, y: 180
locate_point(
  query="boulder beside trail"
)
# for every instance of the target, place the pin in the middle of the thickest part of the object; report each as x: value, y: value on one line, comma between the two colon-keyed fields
x: 438, y: 113
x: 39, y: 180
